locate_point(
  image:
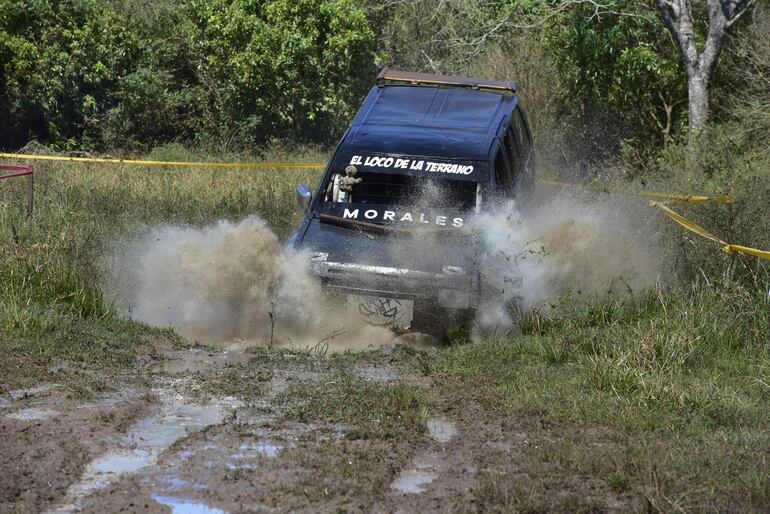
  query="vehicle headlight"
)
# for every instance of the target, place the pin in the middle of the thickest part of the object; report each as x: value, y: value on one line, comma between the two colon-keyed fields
x: 318, y: 256
x: 454, y: 271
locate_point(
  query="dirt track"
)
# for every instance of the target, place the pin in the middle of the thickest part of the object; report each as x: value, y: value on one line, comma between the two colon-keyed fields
x: 236, y: 431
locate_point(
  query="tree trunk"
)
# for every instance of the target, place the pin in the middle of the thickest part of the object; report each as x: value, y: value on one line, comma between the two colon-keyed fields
x: 700, y: 65
x: 698, y: 102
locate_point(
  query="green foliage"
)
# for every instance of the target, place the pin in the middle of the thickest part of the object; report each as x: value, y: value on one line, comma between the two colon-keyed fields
x: 84, y: 74
x: 162, y: 98
x: 60, y: 63
x: 282, y: 68
x: 622, y: 65
x: 731, y: 158
x: 443, y: 37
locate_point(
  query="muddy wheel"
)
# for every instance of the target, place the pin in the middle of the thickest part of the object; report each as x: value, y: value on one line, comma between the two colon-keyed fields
x: 445, y: 326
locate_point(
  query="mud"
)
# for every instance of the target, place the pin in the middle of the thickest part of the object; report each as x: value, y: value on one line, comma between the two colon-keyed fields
x: 495, y: 464
x: 44, y: 454
x: 190, y: 440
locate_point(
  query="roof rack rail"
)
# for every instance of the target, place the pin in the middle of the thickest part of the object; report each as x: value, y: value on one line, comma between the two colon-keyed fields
x: 388, y: 75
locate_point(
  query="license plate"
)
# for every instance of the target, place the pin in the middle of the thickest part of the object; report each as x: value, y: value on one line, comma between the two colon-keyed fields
x: 382, y: 311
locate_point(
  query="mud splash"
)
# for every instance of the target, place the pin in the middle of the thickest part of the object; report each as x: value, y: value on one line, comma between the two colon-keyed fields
x: 231, y: 281
x: 234, y: 281
x: 565, y: 249
x: 222, y: 282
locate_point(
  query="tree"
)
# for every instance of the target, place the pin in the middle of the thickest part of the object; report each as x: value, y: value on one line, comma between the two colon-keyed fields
x: 622, y: 73
x: 282, y: 69
x: 677, y: 15
x: 437, y: 37
x: 59, y: 64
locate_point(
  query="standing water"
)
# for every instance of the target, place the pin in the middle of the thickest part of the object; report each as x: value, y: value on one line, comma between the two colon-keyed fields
x: 145, y: 441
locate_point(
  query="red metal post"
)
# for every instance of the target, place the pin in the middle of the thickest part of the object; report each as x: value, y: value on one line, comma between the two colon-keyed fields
x: 20, y: 171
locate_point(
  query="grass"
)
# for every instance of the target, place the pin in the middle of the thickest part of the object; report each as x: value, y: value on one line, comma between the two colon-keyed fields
x: 51, y: 305
x: 373, y: 411
x: 681, y: 379
x: 676, y: 382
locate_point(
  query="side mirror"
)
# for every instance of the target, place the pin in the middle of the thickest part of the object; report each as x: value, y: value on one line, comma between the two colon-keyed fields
x: 304, y: 196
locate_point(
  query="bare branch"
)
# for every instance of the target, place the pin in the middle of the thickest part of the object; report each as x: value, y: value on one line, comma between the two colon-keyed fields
x: 736, y: 16
x: 663, y: 8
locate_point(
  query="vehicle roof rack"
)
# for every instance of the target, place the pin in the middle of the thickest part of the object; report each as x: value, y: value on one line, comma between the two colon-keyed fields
x: 388, y: 75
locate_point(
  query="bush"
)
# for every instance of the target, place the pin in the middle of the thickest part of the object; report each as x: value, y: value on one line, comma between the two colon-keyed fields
x: 60, y: 64
x: 282, y: 69
x: 81, y: 74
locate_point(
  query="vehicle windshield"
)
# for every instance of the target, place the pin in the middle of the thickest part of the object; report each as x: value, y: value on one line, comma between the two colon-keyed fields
x: 371, y: 188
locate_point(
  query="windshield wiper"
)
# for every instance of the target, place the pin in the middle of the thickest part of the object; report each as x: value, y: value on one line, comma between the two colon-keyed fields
x: 360, y: 225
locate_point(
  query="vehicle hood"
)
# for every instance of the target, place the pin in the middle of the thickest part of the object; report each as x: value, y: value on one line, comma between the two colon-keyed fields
x: 417, y: 250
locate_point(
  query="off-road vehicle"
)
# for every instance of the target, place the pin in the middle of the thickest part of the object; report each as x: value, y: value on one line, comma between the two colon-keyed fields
x: 389, y: 228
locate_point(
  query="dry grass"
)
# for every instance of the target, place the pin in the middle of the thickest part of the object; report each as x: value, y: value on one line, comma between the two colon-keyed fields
x: 51, y: 305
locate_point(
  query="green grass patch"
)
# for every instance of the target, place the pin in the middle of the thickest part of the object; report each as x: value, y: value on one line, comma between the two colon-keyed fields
x: 368, y: 410
x: 51, y: 301
x: 83, y: 353
x: 681, y: 377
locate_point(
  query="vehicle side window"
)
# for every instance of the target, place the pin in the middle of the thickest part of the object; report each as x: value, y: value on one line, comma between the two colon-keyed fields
x: 503, y: 170
x: 514, y: 150
x: 522, y: 132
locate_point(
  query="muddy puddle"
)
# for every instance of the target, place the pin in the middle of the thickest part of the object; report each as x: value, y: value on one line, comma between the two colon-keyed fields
x: 185, y: 506
x: 249, y: 451
x: 30, y: 404
x: 146, y: 454
x: 415, y: 479
x: 33, y: 414
x: 425, y: 468
x: 190, y: 449
x: 19, y: 397
x: 20, y: 394
x: 201, y: 360
x: 441, y: 430
x: 174, y: 418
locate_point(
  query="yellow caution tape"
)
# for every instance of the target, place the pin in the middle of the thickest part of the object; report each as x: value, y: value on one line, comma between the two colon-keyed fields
x: 689, y: 225
x: 665, y: 197
x: 164, y: 163
x: 762, y: 254
x: 697, y: 229
x: 687, y: 199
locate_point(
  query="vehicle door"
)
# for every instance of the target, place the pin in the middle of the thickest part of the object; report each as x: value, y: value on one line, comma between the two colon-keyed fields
x: 523, y: 138
x: 512, y: 150
x: 504, y: 177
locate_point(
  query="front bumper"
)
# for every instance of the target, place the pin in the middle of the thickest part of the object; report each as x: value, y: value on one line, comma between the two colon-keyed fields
x: 438, y: 297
